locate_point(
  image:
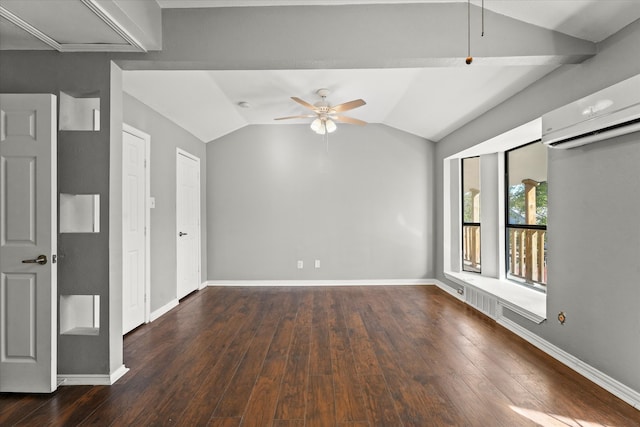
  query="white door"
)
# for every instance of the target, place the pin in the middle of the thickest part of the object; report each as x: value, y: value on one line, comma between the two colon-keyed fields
x: 28, y: 241
x: 188, y: 222
x: 134, y: 228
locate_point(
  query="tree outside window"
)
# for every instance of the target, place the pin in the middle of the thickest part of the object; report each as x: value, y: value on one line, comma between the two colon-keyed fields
x: 526, y: 215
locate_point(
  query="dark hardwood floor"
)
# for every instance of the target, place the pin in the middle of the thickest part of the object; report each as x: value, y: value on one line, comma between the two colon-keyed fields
x: 330, y: 356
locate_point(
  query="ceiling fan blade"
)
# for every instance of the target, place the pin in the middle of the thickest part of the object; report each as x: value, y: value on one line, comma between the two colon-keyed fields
x: 296, y: 117
x: 304, y: 103
x: 350, y: 120
x: 348, y: 105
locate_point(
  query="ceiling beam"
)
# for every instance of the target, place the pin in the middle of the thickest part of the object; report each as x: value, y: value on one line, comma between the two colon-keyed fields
x: 372, y: 36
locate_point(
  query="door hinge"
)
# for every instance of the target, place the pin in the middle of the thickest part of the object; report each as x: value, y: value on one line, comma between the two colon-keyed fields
x: 54, y: 258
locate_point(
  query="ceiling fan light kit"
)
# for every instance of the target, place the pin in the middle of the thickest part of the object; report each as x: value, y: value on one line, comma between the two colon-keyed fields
x: 325, y: 116
x: 323, y: 126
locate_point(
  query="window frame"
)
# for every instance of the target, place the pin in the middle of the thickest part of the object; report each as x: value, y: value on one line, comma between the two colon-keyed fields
x: 541, y: 287
x: 469, y: 224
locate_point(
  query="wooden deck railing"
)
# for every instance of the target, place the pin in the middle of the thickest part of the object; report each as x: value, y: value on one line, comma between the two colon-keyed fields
x: 471, y: 247
x: 527, y: 258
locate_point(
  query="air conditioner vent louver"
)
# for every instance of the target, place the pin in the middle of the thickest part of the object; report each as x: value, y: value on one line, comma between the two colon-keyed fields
x: 608, y: 113
x: 602, y: 133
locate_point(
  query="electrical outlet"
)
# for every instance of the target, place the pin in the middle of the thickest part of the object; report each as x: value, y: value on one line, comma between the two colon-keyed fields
x: 317, y: 264
x: 300, y: 264
x: 562, y: 317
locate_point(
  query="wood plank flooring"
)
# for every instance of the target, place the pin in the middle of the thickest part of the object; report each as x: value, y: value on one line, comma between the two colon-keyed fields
x: 328, y: 356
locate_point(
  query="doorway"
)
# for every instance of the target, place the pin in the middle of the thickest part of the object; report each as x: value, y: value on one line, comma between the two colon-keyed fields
x: 188, y: 222
x: 135, y: 228
x: 28, y: 243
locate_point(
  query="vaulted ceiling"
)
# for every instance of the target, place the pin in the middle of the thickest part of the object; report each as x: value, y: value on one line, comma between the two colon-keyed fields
x: 526, y: 39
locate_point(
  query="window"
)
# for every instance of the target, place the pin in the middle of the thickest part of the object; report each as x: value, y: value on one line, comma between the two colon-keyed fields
x: 526, y: 216
x: 494, y: 281
x: 471, y: 214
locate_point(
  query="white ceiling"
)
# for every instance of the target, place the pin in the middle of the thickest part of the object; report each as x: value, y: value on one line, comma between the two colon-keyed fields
x: 429, y: 102
x: 418, y: 101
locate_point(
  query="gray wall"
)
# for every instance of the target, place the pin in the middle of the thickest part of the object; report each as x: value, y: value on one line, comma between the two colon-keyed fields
x: 166, y: 136
x: 49, y: 72
x: 593, y: 210
x: 594, y: 246
x: 83, y: 168
x: 364, y: 208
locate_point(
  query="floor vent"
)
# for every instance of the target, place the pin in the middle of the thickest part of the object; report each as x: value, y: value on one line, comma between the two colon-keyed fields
x: 485, y: 303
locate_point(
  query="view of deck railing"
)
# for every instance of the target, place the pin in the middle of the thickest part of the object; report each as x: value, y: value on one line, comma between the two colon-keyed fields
x: 527, y: 255
x: 471, y: 248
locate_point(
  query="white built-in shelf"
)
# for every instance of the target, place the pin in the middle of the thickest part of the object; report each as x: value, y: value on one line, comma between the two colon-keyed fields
x: 79, y: 213
x: 79, y: 314
x: 79, y: 112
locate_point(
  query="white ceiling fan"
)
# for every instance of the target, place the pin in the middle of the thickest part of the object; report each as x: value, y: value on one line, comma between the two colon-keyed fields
x: 326, y: 115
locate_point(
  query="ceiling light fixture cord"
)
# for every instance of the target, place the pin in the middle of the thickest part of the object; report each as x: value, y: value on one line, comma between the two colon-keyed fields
x: 325, y: 135
x: 469, y: 28
x: 469, y: 59
x: 482, y: 18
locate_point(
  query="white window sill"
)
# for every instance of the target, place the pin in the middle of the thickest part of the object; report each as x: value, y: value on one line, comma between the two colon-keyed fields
x: 527, y: 302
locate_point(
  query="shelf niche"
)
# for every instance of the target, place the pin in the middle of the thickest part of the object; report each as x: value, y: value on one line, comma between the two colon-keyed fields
x: 79, y: 111
x: 79, y: 314
x: 79, y: 213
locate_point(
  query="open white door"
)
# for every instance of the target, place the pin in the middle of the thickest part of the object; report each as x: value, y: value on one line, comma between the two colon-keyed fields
x: 28, y: 241
x: 135, y: 220
x: 188, y: 222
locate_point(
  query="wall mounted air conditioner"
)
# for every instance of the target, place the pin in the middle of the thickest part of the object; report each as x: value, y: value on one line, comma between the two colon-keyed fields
x: 608, y: 113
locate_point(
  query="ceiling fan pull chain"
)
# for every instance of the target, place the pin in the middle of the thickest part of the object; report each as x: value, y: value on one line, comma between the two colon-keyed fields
x: 482, y: 35
x: 469, y: 59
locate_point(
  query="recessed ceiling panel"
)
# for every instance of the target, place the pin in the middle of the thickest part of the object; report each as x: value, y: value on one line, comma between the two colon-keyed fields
x: 66, y: 22
x: 14, y: 38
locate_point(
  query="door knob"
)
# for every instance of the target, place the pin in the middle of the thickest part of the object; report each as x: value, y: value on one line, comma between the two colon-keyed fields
x: 42, y: 260
x: 182, y: 234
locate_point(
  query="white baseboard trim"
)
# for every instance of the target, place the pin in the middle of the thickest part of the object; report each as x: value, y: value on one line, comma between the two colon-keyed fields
x: 92, y: 379
x: 449, y: 290
x: 203, y: 285
x: 119, y: 373
x: 162, y: 310
x: 613, y: 386
x: 320, y: 282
